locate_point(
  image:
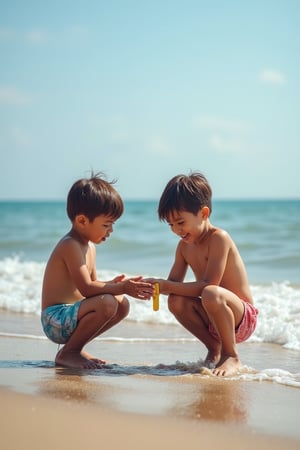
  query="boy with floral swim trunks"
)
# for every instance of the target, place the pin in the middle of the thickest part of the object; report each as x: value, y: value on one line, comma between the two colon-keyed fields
x: 217, y: 308
x: 76, y: 306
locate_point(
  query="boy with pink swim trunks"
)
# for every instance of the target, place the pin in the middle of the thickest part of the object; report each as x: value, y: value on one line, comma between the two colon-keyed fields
x: 217, y: 308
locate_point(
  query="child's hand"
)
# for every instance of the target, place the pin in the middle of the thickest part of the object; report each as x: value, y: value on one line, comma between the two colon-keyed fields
x: 137, y: 287
x: 160, y: 281
x: 118, y: 279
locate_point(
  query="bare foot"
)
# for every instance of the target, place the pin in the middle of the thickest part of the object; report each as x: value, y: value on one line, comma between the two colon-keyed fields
x: 75, y: 360
x: 212, y: 359
x: 229, y: 365
x: 87, y: 355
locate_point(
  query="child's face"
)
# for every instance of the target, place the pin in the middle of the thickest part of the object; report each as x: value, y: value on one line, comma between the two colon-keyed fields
x: 99, y: 229
x: 187, y: 225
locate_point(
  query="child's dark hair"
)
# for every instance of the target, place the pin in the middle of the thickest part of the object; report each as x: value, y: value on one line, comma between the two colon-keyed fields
x: 94, y: 197
x: 185, y: 193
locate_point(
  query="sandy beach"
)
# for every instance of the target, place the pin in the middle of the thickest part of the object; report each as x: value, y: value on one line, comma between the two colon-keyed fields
x: 33, y: 422
x: 149, y: 394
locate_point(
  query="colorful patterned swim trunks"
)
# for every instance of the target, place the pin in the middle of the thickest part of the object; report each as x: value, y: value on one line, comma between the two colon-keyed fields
x: 59, y: 321
x: 246, y: 327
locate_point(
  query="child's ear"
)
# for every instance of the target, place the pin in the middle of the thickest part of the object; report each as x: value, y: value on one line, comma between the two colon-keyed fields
x: 205, y: 212
x: 81, y: 219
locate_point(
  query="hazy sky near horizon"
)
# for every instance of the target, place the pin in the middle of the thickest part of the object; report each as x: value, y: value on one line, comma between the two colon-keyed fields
x: 144, y: 90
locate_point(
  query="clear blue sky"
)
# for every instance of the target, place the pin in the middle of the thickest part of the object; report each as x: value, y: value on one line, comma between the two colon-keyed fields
x: 144, y: 90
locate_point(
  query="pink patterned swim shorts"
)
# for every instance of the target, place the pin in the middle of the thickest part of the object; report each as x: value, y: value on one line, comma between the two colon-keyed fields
x: 246, y: 327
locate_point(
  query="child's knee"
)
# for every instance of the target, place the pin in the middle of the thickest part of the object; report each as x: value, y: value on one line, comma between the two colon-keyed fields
x: 211, y: 298
x: 123, y: 307
x: 175, y: 304
x: 108, y: 306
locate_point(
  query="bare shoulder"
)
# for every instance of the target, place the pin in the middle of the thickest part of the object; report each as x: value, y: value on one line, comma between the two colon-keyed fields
x: 219, y: 235
x: 222, y: 242
x: 67, y: 243
x: 67, y: 248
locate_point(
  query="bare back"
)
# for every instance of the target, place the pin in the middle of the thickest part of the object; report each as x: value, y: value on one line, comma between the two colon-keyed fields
x: 59, y: 280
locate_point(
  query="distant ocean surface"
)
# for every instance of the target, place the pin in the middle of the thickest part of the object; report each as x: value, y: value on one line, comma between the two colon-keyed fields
x: 267, y: 234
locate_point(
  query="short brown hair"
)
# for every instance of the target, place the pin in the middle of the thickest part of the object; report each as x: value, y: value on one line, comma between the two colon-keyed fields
x: 185, y: 193
x: 93, y: 197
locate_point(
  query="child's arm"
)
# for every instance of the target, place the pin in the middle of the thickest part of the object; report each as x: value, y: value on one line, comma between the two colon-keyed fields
x: 186, y: 289
x: 218, y: 253
x: 82, y: 269
x: 174, y: 284
x: 220, y: 246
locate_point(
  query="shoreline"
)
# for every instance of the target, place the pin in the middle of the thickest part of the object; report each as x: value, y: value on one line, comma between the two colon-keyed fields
x: 151, y: 389
x: 144, y: 380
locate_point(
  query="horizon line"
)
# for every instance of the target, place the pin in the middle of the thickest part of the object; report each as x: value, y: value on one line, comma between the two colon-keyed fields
x: 52, y: 200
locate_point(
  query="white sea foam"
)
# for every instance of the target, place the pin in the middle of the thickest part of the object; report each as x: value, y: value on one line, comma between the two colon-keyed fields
x: 179, y: 369
x: 278, y: 303
x: 278, y: 376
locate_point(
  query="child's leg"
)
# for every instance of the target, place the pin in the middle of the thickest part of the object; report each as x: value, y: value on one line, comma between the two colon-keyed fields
x: 192, y: 316
x: 122, y: 312
x: 95, y: 315
x: 225, y: 310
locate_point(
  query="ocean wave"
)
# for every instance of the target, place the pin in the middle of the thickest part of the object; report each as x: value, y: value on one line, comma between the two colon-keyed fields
x: 278, y: 303
x: 118, y: 339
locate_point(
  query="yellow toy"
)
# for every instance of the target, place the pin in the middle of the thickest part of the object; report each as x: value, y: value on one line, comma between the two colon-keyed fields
x: 156, y: 297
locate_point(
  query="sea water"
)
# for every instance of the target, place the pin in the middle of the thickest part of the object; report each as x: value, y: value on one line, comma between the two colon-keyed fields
x: 267, y: 233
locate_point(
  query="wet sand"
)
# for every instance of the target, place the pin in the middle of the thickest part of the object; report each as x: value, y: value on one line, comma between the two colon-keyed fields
x: 140, y: 399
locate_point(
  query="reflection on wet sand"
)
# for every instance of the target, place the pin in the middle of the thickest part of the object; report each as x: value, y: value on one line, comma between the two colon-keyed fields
x: 210, y: 399
x: 215, y: 400
x: 72, y: 384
